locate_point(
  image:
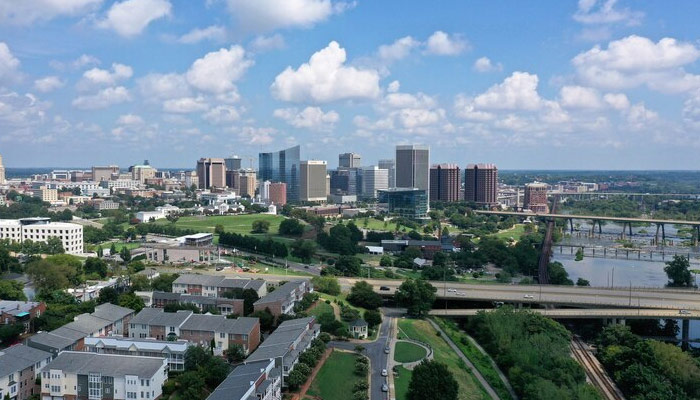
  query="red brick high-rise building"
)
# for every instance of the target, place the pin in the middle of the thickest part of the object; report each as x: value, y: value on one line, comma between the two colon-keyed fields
x: 536, y: 197
x: 278, y: 193
x: 481, y: 184
x: 444, y: 182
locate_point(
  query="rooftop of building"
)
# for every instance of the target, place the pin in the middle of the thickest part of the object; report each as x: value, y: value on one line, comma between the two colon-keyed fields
x: 16, y: 308
x: 19, y: 357
x: 84, y: 363
x: 239, y: 382
x: 111, y: 312
x: 143, y: 344
x: 279, y: 343
x: 158, y: 317
x: 281, y: 293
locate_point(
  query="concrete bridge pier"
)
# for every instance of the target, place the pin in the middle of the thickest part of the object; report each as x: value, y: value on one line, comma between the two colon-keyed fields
x: 685, y: 332
x: 571, y: 225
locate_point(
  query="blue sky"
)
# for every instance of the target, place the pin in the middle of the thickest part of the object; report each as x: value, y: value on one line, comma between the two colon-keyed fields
x: 543, y: 84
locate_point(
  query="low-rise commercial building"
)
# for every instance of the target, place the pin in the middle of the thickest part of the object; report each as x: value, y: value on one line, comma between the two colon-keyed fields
x: 168, y: 253
x: 283, y: 299
x: 19, y: 366
x: 258, y: 380
x: 41, y: 229
x: 83, y: 375
x: 405, y: 202
x: 173, y: 351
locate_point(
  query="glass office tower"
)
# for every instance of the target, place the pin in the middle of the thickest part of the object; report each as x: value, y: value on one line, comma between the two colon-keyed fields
x: 281, y: 166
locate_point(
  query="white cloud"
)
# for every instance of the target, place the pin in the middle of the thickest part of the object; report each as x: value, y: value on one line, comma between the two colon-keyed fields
x: 310, y: 118
x: 326, y: 78
x: 254, y: 135
x: 393, y: 87
x: 518, y: 91
x: 266, y: 43
x: 185, y: 105
x: 84, y: 60
x: 691, y: 111
x: 215, y: 32
x: 157, y: 87
x: 639, y: 117
x: 484, y: 64
x: 635, y: 61
x: 9, y: 64
x: 130, y: 119
x: 579, y: 97
x: 102, y: 77
x: 222, y: 114
x: 617, y: 101
x: 19, y: 111
x: 217, y: 71
x: 398, y: 50
x: 465, y: 109
x: 443, y: 44
x: 25, y: 12
x: 103, y: 99
x: 407, y: 100
x: 130, y: 17
x: 597, y: 12
x: 268, y: 15
x: 48, y: 84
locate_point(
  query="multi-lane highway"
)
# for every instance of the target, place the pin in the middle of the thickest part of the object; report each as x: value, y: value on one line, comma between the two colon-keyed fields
x: 572, y: 313
x: 590, y: 217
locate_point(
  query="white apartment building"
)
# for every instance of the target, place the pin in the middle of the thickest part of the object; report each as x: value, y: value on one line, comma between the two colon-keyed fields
x: 40, y: 229
x: 86, y: 375
x: 313, y: 181
x: 46, y: 194
x: 19, y: 367
x: 122, y: 184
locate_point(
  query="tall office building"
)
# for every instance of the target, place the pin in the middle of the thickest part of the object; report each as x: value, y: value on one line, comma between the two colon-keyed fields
x: 390, y: 166
x: 536, y: 197
x: 142, y: 172
x: 265, y: 190
x: 281, y: 166
x: 444, y: 182
x: 413, y: 167
x: 233, y: 163
x: 104, y: 173
x: 313, y: 181
x: 247, y: 183
x: 211, y: 173
x: 349, y: 160
x: 481, y: 184
x: 345, y: 181
x: 278, y: 193
x: 2, y: 172
x: 373, y: 180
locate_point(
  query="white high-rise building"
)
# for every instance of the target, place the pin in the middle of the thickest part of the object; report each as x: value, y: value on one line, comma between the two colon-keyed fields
x: 2, y: 172
x: 265, y: 191
x: 41, y: 229
x: 374, y: 179
x: 313, y: 181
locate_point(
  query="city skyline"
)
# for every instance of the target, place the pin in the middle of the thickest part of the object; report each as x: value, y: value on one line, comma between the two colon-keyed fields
x: 86, y: 84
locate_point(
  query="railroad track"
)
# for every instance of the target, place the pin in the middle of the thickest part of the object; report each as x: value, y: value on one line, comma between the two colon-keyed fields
x: 595, y: 372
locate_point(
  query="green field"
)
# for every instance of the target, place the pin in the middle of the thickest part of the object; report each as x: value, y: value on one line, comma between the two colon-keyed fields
x: 375, y: 224
x: 241, y: 224
x: 405, y: 352
x: 335, y: 379
x: 515, y: 232
x: 321, y: 308
x: 117, y: 245
x: 401, y: 382
x: 469, y: 388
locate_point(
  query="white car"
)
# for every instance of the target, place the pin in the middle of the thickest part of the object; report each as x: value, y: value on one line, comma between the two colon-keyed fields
x: 529, y: 296
x: 385, y: 388
x: 384, y: 373
x: 684, y: 312
x: 451, y: 290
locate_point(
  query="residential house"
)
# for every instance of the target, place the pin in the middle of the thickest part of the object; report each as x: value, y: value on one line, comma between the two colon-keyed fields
x: 258, y: 380
x: 19, y: 366
x: 283, y: 299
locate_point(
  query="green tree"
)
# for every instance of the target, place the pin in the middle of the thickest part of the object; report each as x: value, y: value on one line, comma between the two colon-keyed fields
x: 164, y: 282
x: 304, y: 249
x: 373, y: 318
x: 48, y: 276
x: 194, y: 357
x: 94, y: 265
x: 260, y: 226
x: 219, y: 229
x: 432, y: 380
x: 417, y: 296
x: 130, y: 300
x: 363, y: 295
x: 54, y: 245
x: 113, y: 249
x: 558, y: 275
x: 125, y: 254
x: 108, y: 295
x: 235, y: 354
x: 386, y: 261
x: 291, y: 227
x: 12, y: 290
x: 678, y: 272
x: 326, y: 284
x: 582, y: 282
x: 139, y: 282
x: 267, y: 320
x: 10, y: 333
x: 191, y: 385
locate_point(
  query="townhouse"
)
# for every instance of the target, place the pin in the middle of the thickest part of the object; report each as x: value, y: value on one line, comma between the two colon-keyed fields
x: 24, y: 312
x: 256, y: 380
x: 172, y: 351
x: 215, y: 286
x: 82, y: 375
x: 223, y: 305
x: 19, y: 366
x: 283, y: 299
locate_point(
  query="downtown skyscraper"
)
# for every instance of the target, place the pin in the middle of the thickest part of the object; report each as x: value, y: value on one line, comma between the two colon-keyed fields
x: 281, y: 166
x: 413, y: 167
x: 481, y: 184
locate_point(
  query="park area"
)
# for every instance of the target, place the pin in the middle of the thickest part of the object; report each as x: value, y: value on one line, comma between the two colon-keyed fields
x: 334, y: 380
x: 407, y: 352
x: 241, y: 224
x: 469, y: 388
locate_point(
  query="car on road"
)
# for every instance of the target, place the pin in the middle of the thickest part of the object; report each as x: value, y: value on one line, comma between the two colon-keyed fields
x: 384, y: 288
x: 385, y: 387
x: 683, y: 312
x: 451, y: 290
x: 219, y: 268
x: 387, y: 350
x: 384, y: 373
x: 529, y: 296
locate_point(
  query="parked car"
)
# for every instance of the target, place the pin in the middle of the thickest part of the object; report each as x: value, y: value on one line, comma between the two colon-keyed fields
x: 529, y: 296
x: 384, y: 373
x: 384, y: 288
x: 684, y: 312
x: 385, y: 387
x: 387, y: 350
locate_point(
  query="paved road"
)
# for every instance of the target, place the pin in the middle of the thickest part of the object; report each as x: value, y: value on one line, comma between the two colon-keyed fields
x: 591, y: 217
x: 312, y: 269
x: 635, y: 313
x: 375, y: 351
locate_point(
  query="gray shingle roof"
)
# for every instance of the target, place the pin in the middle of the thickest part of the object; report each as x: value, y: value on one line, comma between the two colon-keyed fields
x: 111, y: 312
x: 51, y: 340
x: 237, y: 385
x: 106, y: 364
x: 282, y: 293
x: 87, y: 324
x: 279, y: 343
x: 16, y: 307
x: 219, y: 323
x: 19, y: 357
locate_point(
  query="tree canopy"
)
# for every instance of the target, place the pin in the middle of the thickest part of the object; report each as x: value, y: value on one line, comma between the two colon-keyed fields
x: 417, y: 296
x: 432, y: 380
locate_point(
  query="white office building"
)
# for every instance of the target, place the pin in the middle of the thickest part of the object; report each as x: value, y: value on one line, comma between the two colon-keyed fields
x: 41, y: 229
x: 373, y: 180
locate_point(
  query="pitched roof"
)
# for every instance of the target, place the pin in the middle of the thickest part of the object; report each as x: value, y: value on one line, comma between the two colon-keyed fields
x: 158, y: 317
x: 19, y: 357
x: 107, y: 364
x: 281, y: 293
x: 237, y: 385
x: 111, y: 312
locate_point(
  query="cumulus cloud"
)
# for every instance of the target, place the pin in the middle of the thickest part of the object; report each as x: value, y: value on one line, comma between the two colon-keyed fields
x: 103, y: 99
x: 102, y: 77
x: 263, y: 43
x: 518, y: 91
x: 9, y: 64
x: 398, y: 50
x: 130, y: 17
x: 580, y: 97
x: 443, y: 44
x: 222, y: 114
x: 217, y: 71
x: 635, y: 61
x: 484, y: 64
x: 310, y: 118
x: 393, y: 87
x: 639, y: 117
x: 185, y: 105
x: 595, y: 12
x: 84, y: 60
x: 617, y: 101
x: 48, y: 84
x: 156, y: 87
x: 254, y: 135
x: 268, y: 15
x: 326, y: 78
x: 215, y: 33
x: 130, y: 119
x: 406, y: 113
x: 19, y: 111
x: 28, y: 11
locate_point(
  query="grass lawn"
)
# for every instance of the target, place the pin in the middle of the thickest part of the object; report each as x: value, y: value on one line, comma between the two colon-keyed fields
x: 117, y: 245
x: 321, y: 308
x: 469, y: 388
x: 401, y: 382
x: 481, y: 361
x: 241, y: 224
x: 375, y: 224
x: 336, y: 379
x: 515, y: 232
x: 408, y: 352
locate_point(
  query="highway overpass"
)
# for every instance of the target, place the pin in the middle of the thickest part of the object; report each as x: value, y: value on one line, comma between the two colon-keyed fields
x: 585, y: 313
x: 573, y: 296
x: 590, y: 217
